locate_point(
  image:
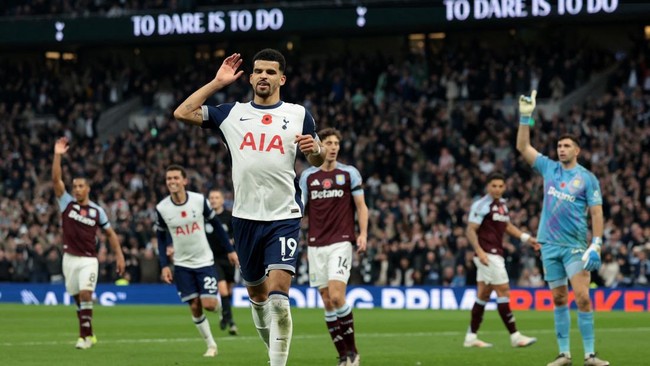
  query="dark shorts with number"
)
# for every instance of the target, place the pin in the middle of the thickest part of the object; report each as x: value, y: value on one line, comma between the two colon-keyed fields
x: 265, y: 245
x: 195, y: 282
x: 225, y: 270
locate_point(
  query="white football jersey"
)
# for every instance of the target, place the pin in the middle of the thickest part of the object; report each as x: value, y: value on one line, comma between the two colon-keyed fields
x: 261, y: 144
x: 186, y: 224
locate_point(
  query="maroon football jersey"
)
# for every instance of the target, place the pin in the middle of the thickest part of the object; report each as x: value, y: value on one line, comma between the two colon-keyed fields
x: 492, y: 215
x: 330, y: 204
x: 80, y: 224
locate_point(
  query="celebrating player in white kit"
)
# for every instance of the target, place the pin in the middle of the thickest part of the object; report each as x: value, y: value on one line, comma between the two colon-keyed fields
x: 263, y: 137
x: 182, y: 216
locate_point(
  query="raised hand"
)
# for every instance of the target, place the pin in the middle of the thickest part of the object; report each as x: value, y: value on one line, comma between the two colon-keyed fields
x: 228, y: 73
x: 527, y: 104
x: 61, y: 146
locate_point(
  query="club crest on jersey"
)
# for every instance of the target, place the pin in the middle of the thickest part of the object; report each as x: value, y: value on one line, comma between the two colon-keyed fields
x: 340, y: 179
x: 92, y: 213
x: 286, y: 122
x: 327, y: 183
x: 576, y: 183
x: 260, y: 143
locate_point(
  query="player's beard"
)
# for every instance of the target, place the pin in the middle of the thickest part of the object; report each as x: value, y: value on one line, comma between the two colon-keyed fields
x: 264, y: 93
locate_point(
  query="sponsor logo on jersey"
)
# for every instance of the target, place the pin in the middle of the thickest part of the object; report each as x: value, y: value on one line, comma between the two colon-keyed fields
x: 187, y: 229
x: 79, y: 218
x: 500, y: 217
x: 561, y: 195
x: 340, y: 179
x: 242, y: 119
x: 262, y: 142
x: 328, y: 193
x: 314, y: 183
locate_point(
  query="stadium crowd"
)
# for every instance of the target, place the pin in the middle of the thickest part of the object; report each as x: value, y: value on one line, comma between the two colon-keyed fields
x: 421, y: 143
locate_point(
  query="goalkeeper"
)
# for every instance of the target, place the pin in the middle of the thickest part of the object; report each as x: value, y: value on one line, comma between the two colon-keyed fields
x: 569, y: 190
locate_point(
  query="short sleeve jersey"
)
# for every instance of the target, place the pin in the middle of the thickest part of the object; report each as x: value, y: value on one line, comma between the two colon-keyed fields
x: 492, y: 217
x: 567, y: 195
x: 80, y: 223
x: 329, y: 196
x: 186, y: 224
x: 260, y: 140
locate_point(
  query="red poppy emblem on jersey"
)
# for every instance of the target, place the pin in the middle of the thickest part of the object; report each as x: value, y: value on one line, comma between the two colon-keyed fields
x: 562, y: 185
x: 267, y: 119
x: 327, y: 183
x: 501, y: 210
x: 83, y: 212
x: 183, y: 214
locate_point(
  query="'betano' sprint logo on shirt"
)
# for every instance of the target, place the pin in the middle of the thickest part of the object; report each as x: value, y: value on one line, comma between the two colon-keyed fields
x: 329, y: 193
x: 561, y: 195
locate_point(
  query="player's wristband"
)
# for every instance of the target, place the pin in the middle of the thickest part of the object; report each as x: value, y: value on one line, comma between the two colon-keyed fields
x: 318, y: 152
x: 526, y: 120
x: 524, y: 237
x: 597, y: 240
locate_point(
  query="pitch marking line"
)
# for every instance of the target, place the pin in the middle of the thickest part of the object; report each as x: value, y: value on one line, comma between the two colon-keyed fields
x: 309, y: 336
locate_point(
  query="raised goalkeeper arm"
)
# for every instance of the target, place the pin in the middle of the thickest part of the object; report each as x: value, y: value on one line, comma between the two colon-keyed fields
x: 526, y: 108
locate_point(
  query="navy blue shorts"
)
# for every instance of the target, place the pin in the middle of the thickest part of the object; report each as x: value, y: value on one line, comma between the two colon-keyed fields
x: 195, y: 282
x: 265, y: 245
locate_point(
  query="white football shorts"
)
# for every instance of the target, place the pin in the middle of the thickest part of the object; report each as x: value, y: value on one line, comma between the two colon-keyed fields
x: 330, y: 262
x: 493, y: 274
x: 80, y: 273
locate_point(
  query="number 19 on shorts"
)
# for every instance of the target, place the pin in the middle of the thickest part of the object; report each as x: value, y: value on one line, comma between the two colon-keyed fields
x: 291, y: 244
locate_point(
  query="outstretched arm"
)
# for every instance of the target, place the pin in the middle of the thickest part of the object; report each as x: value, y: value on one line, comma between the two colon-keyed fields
x: 526, y: 108
x: 190, y: 110
x: 60, y: 147
x: 525, y: 238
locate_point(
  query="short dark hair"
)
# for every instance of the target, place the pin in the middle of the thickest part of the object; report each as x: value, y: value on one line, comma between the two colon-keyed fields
x: 269, y: 54
x: 327, y: 132
x: 176, y: 167
x: 495, y: 176
x: 571, y: 137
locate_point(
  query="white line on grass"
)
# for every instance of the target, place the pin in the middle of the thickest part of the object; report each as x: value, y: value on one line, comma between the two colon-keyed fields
x: 310, y: 336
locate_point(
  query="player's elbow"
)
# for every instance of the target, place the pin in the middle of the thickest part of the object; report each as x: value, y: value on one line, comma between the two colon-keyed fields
x: 179, y: 115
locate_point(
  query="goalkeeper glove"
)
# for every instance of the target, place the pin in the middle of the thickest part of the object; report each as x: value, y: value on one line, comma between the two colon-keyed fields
x: 592, y: 255
x: 526, y: 108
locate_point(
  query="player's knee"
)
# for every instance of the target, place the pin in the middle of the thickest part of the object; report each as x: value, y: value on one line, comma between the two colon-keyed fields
x: 560, y: 299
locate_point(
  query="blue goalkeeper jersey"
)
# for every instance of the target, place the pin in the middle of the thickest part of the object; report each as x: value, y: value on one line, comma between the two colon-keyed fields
x: 567, y: 195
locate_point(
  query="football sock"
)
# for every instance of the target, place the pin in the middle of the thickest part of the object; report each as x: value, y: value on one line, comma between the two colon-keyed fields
x: 281, y: 328
x: 334, y: 328
x: 203, y: 325
x: 262, y: 319
x: 226, y: 312
x: 346, y: 321
x: 503, y: 305
x: 85, y: 319
x: 477, y: 315
x: 562, y: 326
x: 586, y: 325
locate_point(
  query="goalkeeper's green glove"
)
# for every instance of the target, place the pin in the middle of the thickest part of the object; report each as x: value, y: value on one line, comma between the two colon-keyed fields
x: 526, y: 108
x: 592, y: 255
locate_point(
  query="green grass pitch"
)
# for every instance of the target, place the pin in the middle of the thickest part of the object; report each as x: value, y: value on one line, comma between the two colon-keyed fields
x: 165, y: 335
